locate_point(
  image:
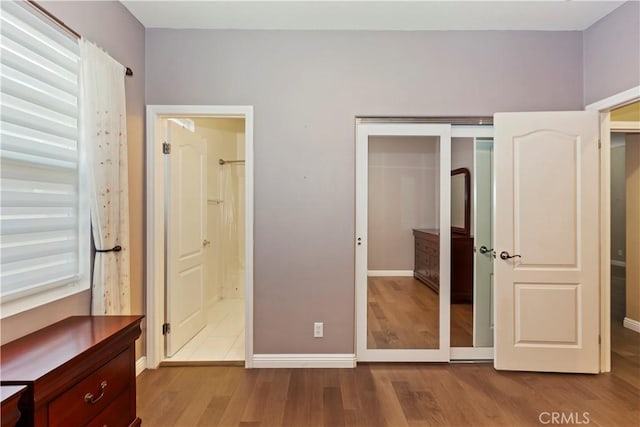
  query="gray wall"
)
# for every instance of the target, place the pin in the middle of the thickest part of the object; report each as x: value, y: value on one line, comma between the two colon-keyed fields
x: 307, y: 87
x: 110, y: 25
x: 403, y: 195
x: 612, y: 53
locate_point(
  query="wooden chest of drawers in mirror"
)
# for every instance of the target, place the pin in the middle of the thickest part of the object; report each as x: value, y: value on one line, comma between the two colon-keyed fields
x: 427, y: 263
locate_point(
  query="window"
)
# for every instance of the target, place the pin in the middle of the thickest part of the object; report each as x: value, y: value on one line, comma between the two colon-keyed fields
x: 44, y: 215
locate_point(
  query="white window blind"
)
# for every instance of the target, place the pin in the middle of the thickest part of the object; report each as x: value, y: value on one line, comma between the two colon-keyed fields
x: 44, y: 228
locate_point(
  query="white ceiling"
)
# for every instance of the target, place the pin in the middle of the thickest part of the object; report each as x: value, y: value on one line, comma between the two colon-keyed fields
x: 546, y: 15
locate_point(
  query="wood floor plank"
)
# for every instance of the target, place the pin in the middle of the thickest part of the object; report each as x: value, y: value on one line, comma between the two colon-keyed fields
x: 369, y: 411
x: 214, y: 411
x: 236, y: 406
x: 333, y: 411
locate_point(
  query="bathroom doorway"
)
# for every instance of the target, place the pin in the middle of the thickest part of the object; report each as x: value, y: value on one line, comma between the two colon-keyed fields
x: 200, y: 235
x: 205, y: 239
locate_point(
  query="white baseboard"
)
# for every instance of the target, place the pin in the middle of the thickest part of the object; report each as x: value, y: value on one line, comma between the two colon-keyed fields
x: 634, y: 325
x: 141, y: 365
x: 390, y: 273
x: 304, y: 360
x: 618, y: 263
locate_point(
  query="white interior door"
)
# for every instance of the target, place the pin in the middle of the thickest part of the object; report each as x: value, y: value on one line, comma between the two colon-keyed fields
x: 186, y: 231
x: 546, y: 218
x: 441, y: 132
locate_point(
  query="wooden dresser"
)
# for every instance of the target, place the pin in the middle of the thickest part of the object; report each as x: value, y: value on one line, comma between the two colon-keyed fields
x: 427, y: 263
x: 77, y: 372
x: 10, y: 396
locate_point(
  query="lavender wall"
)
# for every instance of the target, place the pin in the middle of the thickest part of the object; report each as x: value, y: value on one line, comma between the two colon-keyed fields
x: 307, y: 87
x: 110, y: 25
x: 612, y: 53
x: 403, y: 195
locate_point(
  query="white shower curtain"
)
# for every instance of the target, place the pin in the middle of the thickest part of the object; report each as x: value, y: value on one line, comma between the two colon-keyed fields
x: 229, y: 224
x: 103, y: 122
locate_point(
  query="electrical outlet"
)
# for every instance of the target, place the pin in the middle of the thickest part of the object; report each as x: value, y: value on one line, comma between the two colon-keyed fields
x: 318, y: 330
x: 619, y: 252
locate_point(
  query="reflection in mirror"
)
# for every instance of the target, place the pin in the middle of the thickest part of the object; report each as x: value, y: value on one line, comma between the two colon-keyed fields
x: 483, y: 280
x: 471, y: 296
x: 403, y: 195
x: 460, y: 200
x: 461, y: 326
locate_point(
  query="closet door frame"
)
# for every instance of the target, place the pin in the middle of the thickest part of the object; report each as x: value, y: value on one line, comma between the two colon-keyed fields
x: 363, y: 132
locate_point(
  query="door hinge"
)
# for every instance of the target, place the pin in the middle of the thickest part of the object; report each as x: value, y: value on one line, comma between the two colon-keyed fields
x: 166, y: 328
x: 599, y: 144
x: 599, y: 340
x: 166, y: 148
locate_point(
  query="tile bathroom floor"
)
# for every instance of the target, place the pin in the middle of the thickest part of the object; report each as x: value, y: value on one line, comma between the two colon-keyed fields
x: 221, y: 340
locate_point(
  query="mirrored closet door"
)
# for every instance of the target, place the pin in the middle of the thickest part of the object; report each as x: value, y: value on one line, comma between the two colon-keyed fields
x: 424, y: 252
x: 472, y: 252
x: 403, y: 241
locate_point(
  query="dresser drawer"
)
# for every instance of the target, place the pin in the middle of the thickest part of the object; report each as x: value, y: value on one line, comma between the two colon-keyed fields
x: 424, y: 245
x: 105, y: 384
x: 117, y: 414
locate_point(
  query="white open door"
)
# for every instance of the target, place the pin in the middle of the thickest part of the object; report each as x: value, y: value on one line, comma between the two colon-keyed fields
x: 547, y: 241
x: 186, y: 231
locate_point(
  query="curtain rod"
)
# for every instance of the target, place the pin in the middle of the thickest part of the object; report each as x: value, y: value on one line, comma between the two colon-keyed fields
x: 51, y: 16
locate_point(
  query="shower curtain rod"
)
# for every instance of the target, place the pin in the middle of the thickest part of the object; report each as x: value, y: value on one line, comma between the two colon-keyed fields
x: 68, y: 29
x: 222, y: 162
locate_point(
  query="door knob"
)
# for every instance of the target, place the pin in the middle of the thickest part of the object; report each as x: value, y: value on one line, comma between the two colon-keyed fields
x: 205, y: 243
x: 505, y: 255
x: 483, y: 249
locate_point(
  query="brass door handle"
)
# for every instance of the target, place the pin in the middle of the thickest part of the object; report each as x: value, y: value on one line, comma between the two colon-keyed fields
x: 89, y: 398
x: 206, y: 243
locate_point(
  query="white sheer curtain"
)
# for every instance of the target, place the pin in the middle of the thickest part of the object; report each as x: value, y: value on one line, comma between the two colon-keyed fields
x: 104, y: 132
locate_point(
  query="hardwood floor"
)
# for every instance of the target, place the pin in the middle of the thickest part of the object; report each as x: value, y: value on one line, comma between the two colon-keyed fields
x: 391, y: 395
x: 403, y: 313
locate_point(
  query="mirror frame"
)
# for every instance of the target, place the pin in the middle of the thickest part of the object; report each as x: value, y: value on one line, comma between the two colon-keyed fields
x: 467, y: 202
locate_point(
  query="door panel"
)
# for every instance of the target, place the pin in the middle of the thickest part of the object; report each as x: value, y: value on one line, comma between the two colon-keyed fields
x: 186, y: 231
x: 547, y: 296
x: 546, y: 213
x: 560, y: 324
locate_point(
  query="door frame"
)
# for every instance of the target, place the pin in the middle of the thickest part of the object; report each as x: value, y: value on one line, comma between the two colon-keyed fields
x: 155, y: 268
x: 475, y: 128
x: 390, y: 128
x: 604, y: 106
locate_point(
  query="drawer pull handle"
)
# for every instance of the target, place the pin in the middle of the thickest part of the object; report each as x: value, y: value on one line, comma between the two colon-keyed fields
x: 89, y: 398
